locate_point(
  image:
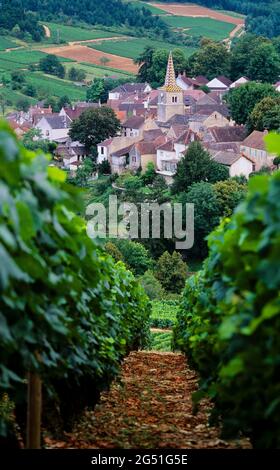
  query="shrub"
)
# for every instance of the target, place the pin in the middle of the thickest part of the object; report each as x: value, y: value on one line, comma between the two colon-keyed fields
x: 67, y: 311
x: 229, y: 319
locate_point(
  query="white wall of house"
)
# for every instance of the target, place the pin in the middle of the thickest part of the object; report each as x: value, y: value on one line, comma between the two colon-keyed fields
x: 164, y: 156
x: 242, y: 166
x: 49, y: 133
x: 103, y: 153
x: 260, y: 157
x: 129, y: 132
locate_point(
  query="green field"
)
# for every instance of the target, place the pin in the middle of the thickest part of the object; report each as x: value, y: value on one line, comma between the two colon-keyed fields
x: 154, y: 10
x: 6, y: 43
x: 161, y: 341
x: 52, y: 86
x: 13, y: 96
x: 206, y: 27
x: 132, y: 48
x: 13, y: 60
x: 93, y: 71
x: 74, y: 33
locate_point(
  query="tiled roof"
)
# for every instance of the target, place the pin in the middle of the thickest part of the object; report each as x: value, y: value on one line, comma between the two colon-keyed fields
x: 134, y: 122
x: 224, y: 80
x: 106, y: 142
x: 195, y: 94
x: 255, y: 140
x: 75, y: 113
x: 123, y: 151
x: 187, y: 137
x: 201, y: 80
x: 130, y: 88
x: 227, y: 158
x: 228, y: 133
x: 152, y: 134
x: 57, y: 122
x: 208, y: 109
x: 168, y: 146
x: 146, y: 148
x: 170, y: 84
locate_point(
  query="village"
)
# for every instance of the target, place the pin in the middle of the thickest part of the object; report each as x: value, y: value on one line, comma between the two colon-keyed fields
x: 157, y: 125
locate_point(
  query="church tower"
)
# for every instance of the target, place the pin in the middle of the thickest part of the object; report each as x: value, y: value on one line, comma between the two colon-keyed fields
x: 171, y: 96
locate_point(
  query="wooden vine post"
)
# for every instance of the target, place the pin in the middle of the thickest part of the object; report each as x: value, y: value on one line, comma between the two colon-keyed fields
x: 34, y: 410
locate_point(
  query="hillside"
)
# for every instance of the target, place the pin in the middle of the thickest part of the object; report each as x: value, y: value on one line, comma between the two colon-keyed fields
x: 262, y: 16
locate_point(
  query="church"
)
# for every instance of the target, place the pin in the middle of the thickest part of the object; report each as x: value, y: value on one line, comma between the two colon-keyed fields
x: 171, y: 96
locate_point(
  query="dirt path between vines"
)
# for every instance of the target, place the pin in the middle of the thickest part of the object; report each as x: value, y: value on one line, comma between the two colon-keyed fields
x: 150, y: 406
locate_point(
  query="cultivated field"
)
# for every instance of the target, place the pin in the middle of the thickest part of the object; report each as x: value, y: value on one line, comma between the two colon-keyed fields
x: 6, y: 43
x: 86, y: 54
x: 74, y: 33
x: 133, y: 47
x: 196, y: 11
x: 48, y: 85
x: 206, y: 27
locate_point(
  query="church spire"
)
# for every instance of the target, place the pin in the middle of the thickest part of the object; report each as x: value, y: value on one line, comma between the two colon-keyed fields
x: 170, y: 79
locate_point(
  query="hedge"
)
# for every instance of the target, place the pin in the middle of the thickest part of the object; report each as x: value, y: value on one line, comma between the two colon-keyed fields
x: 229, y: 321
x: 67, y: 310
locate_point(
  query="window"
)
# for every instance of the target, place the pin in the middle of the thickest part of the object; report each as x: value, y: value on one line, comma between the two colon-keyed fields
x: 133, y: 159
x: 174, y: 99
x: 102, y: 150
x: 47, y: 133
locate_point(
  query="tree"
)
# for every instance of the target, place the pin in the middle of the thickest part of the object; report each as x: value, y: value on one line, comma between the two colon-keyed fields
x: 276, y: 162
x: 135, y: 256
x: 76, y: 75
x: 94, y: 126
x: 195, y: 166
x: 265, y: 115
x: 50, y: 64
x: 264, y: 64
x: 22, y: 104
x: 241, y: 54
x: 104, y: 60
x: 113, y: 251
x: 150, y: 174
x: 211, y: 59
x: 18, y: 79
x: 32, y: 140
x: 229, y: 194
x: 153, y: 64
x: 30, y: 90
x: 84, y: 172
x: 151, y: 286
x: 104, y: 168
x: 145, y: 62
x: 244, y: 98
x: 171, y: 271
x: 63, y: 101
x: 207, y: 213
x: 95, y: 91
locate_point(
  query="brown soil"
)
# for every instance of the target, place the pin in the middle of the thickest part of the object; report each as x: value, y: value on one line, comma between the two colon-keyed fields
x: 150, y: 406
x: 194, y: 10
x: 86, y: 54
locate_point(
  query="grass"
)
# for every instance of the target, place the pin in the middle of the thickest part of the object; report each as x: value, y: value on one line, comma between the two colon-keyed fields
x: 20, y: 59
x: 161, y: 341
x: 93, y: 71
x: 154, y: 10
x: 132, y: 48
x: 6, y: 43
x: 74, y: 33
x: 53, y: 86
x: 13, y: 96
x: 206, y: 27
